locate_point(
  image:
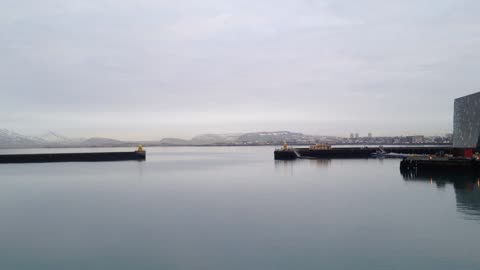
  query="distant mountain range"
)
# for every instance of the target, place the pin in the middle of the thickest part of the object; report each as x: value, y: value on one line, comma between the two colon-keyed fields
x: 252, y: 138
x: 11, y: 139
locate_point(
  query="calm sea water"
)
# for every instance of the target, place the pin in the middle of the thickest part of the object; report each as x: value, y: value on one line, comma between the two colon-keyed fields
x: 234, y: 208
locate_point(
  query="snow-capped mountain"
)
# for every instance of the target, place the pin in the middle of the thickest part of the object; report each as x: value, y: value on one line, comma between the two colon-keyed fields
x: 101, y: 142
x: 10, y: 138
x: 274, y: 137
x: 206, y: 139
x: 268, y: 137
x: 173, y: 141
x: 55, y: 138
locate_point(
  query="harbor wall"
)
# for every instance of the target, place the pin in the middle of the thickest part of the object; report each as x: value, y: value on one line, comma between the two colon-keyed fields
x: 357, y: 152
x: 73, y: 157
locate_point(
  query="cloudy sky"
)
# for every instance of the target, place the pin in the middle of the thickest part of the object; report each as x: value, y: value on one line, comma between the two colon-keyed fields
x: 152, y: 68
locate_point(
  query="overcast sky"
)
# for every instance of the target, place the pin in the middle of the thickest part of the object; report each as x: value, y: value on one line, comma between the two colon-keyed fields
x: 151, y: 69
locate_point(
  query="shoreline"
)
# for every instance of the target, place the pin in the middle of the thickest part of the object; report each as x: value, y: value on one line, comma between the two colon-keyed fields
x: 223, y: 145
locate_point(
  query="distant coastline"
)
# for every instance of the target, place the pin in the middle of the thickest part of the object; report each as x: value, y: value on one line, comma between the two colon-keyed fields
x: 13, y: 140
x: 209, y: 145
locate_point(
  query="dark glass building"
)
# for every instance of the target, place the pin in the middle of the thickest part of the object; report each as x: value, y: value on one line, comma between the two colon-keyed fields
x: 466, y: 122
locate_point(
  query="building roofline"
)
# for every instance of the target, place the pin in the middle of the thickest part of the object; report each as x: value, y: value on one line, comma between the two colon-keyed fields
x: 477, y: 93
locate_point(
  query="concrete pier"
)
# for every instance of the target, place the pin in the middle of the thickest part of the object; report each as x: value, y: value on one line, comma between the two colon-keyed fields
x: 73, y: 157
x: 356, y: 152
x: 439, y: 163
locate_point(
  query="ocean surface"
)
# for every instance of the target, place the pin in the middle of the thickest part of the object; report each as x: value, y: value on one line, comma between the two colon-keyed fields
x: 234, y: 208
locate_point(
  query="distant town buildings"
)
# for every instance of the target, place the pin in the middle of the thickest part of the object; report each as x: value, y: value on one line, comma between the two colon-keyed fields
x: 404, y: 140
x: 417, y: 139
x: 352, y: 139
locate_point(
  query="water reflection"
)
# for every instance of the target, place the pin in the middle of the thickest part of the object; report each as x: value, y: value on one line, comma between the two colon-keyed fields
x: 466, y: 185
x: 285, y: 167
x: 320, y: 163
x: 140, y: 169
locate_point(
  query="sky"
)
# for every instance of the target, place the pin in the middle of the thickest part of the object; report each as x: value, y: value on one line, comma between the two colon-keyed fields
x: 148, y: 69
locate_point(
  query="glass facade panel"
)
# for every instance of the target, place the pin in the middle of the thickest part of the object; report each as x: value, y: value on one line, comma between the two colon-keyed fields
x: 466, y: 121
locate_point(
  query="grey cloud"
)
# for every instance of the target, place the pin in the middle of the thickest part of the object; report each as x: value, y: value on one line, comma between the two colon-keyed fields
x: 321, y: 66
